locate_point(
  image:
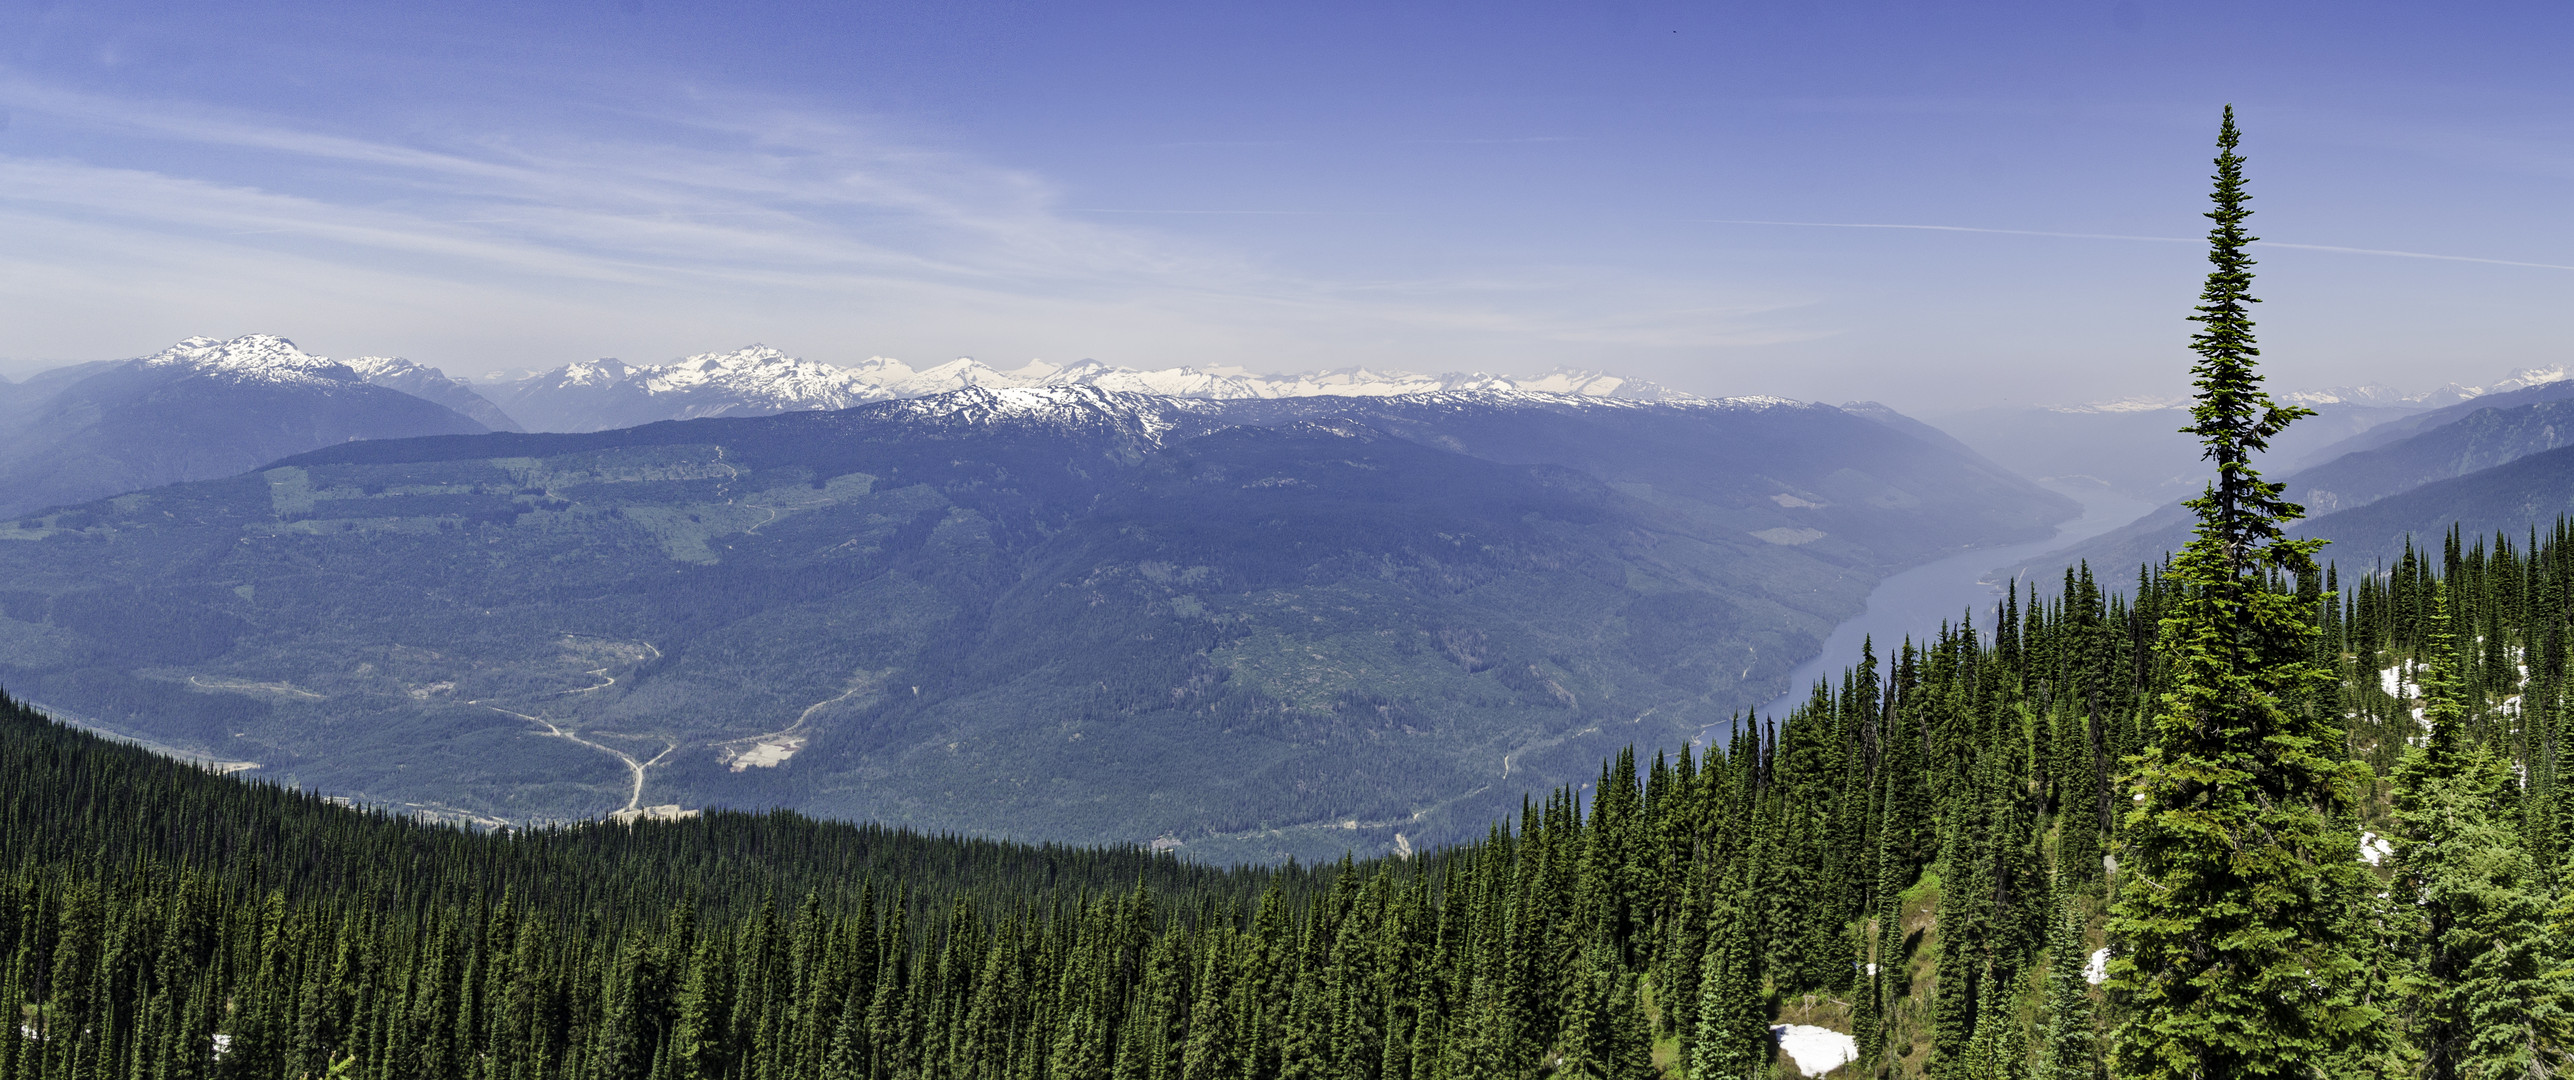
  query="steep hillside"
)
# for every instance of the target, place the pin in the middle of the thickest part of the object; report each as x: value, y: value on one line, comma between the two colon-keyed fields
x: 2339, y: 494
x: 2530, y: 494
x: 1250, y: 628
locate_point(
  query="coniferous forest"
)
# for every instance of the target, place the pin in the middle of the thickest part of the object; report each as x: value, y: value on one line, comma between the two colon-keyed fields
x: 2246, y: 814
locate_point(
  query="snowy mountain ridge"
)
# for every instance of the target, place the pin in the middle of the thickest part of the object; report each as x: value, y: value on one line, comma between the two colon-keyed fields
x: 254, y: 358
x: 1151, y: 418
x: 770, y: 377
x: 274, y: 360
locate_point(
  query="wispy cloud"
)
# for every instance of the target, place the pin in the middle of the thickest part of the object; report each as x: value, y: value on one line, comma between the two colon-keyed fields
x: 2335, y: 248
x: 749, y: 212
x: 2415, y: 255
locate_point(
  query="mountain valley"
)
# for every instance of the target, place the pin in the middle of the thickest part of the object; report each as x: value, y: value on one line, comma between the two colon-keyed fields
x: 1249, y: 628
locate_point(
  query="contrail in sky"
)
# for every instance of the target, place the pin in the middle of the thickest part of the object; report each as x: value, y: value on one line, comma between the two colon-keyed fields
x: 2124, y: 236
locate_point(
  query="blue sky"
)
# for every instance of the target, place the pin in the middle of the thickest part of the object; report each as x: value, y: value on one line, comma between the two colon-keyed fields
x: 1505, y: 187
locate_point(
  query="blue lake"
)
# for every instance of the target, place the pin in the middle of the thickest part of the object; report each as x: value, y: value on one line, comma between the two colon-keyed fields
x: 1918, y: 600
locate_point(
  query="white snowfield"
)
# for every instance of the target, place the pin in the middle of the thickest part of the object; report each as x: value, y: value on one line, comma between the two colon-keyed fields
x: 257, y: 358
x: 766, y: 377
x: 1816, y: 1050
x: 2096, y: 970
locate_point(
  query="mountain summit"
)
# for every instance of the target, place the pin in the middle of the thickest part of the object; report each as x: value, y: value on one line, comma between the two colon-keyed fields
x: 208, y: 407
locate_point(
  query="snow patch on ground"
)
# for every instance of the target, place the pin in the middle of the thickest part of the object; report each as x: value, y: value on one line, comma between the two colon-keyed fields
x: 2398, y: 681
x: 2375, y: 849
x: 1787, y: 537
x: 2096, y: 970
x: 769, y: 754
x: 1816, y: 1050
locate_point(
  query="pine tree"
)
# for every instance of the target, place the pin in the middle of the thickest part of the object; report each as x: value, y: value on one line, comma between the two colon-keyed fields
x: 2239, y: 883
x: 2072, y: 1051
x: 1733, y: 1037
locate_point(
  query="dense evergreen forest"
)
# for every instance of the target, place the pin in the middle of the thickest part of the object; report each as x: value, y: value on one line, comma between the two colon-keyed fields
x: 1945, y: 816
x: 2242, y: 819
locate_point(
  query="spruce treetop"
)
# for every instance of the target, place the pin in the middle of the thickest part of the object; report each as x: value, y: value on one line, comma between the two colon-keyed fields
x: 2235, y: 418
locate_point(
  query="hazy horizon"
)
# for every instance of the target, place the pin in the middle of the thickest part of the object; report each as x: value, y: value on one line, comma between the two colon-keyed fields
x: 1931, y: 209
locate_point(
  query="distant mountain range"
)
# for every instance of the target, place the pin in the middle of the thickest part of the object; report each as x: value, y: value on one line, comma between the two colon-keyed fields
x: 2132, y: 446
x: 207, y: 407
x: 758, y: 380
x: 2488, y: 463
x: 1254, y: 627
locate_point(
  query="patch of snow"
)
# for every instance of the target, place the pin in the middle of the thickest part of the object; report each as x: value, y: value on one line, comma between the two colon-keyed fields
x: 1816, y: 1050
x: 1061, y: 407
x: 664, y: 812
x: 2399, y: 682
x: 769, y: 754
x: 2096, y: 970
x: 2122, y: 405
x: 1788, y: 537
x: 222, y: 1044
x: 2375, y: 849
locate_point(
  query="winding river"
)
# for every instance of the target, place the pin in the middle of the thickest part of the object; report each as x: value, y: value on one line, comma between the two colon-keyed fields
x: 1916, y: 601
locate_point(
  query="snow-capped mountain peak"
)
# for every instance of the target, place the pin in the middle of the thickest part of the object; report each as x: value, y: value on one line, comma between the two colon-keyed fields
x: 2528, y: 377
x: 1146, y: 419
x: 253, y: 358
x: 273, y: 360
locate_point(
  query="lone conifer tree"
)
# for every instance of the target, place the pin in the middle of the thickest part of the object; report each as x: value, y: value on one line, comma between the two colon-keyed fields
x: 2239, y: 877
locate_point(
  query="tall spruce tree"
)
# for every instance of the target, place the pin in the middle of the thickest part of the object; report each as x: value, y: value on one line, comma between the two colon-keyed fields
x: 2072, y: 1052
x: 2239, y: 881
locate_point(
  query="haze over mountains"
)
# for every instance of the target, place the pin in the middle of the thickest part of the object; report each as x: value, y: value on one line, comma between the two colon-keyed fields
x: 2132, y: 446
x: 1253, y: 627
x: 206, y: 407
x: 2484, y: 464
x: 1251, y: 615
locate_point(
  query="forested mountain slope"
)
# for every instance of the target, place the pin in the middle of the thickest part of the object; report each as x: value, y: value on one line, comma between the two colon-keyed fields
x: 1059, y: 614
x: 2530, y: 494
x: 1943, y: 818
